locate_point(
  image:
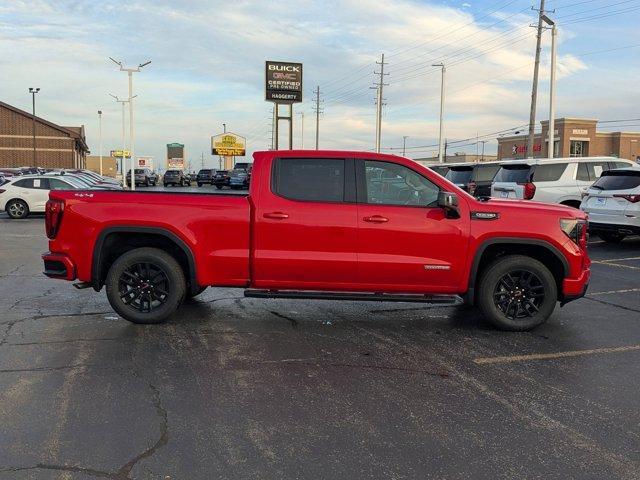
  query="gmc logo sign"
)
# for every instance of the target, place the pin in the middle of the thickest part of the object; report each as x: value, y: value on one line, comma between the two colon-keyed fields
x: 284, y: 68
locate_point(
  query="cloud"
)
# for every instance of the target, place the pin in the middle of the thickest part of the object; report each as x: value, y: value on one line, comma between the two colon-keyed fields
x: 208, y: 60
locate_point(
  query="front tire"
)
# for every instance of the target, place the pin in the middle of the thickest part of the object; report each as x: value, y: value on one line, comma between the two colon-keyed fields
x: 17, y: 209
x: 145, y: 285
x: 517, y: 293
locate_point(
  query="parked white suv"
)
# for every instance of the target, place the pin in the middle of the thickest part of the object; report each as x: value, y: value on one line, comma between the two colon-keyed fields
x: 29, y: 193
x: 558, y: 180
x: 613, y: 204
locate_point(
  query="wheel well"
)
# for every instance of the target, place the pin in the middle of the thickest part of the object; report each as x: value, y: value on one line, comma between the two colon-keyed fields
x: 571, y: 203
x: 540, y: 252
x: 112, y: 245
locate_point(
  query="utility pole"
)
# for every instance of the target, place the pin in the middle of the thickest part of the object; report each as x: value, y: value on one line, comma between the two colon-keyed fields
x: 440, y: 145
x: 404, y: 144
x: 301, y: 130
x: 318, y: 110
x: 100, y: 135
x: 445, y: 150
x: 534, y: 89
x: 122, y: 159
x: 483, y: 142
x: 379, y: 85
x: 132, y: 138
x: 33, y: 92
x: 552, y: 88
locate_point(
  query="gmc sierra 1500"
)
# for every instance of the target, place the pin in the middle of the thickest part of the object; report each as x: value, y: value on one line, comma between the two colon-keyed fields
x: 322, y: 224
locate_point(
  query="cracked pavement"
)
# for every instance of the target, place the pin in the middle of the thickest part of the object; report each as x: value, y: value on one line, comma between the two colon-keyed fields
x: 237, y: 388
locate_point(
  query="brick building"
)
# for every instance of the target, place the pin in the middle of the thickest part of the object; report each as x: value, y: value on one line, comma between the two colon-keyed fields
x: 56, y: 146
x: 574, y: 137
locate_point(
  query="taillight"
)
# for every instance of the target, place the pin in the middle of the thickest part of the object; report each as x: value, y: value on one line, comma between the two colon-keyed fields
x: 471, y: 186
x: 53, y: 217
x: 529, y: 190
x: 631, y: 198
x: 576, y: 230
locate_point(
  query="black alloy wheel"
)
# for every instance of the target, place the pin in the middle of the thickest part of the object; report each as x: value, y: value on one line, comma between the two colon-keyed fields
x: 516, y: 292
x: 143, y: 286
x: 519, y: 294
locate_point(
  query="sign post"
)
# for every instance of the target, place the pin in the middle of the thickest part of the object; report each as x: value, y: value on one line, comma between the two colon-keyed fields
x: 283, y: 86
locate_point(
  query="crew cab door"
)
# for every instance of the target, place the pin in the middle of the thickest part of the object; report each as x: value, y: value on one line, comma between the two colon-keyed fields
x: 405, y: 241
x: 305, y: 225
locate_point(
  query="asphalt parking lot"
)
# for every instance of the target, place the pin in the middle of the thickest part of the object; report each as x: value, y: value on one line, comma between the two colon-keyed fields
x: 239, y: 388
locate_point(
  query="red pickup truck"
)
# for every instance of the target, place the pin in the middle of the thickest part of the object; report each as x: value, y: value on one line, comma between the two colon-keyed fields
x: 327, y: 225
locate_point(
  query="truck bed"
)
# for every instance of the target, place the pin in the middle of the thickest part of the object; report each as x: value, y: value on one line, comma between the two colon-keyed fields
x: 215, y: 227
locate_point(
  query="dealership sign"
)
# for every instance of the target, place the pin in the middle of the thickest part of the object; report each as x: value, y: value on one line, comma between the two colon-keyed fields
x: 228, y: 145
x: 145, y: 162
x: 523, y: 148
x: 119, y: 153
x: 283, y: 82
x: 175, y: 163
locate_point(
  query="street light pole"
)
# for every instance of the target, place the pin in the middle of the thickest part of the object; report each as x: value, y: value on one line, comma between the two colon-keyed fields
x: 122, y: 167
x: 404, y: 144
x: 132, y: 139
x: 552, y: 88
x: 33, y: 92
x: 301, y: 130
x: 100, y: 134
x: 440, y: 144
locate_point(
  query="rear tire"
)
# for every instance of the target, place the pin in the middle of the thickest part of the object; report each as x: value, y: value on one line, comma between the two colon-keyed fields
x: 611, y: 237
x: 199, y: 184
x: 517, y: 293
x: 145, y: 285
x: 17, y: 209
x: 219, y: 187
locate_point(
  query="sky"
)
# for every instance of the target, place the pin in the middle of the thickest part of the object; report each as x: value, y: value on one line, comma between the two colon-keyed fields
x: 207, y: 68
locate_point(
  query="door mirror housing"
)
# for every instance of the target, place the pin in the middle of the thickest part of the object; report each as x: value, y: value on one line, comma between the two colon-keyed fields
x: 449, y: 202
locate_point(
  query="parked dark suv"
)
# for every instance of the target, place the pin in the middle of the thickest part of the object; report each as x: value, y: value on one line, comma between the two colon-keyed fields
x: 205, y: 176
x: 143, y: 176
x: 221, y: 179
x: 175, y: 177
x: 475, y: 178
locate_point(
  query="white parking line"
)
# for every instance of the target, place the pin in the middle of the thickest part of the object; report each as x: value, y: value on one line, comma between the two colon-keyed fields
x: 552, y: 356
x: 611, y: 264
x: 628, y: 290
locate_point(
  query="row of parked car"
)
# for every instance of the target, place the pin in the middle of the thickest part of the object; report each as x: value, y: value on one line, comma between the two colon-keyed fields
x: 607, y: 188
x: 238, y: 178
x: 25, y: 193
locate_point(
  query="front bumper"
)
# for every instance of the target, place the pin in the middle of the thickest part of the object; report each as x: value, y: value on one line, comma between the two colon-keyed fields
x: 58, y: 265
x: 575, y: 288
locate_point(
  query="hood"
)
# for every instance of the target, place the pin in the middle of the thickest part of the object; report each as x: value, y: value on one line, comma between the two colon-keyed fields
x: 522, y: 206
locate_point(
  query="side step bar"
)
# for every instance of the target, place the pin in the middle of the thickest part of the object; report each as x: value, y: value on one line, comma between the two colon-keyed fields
x: 450, y: 300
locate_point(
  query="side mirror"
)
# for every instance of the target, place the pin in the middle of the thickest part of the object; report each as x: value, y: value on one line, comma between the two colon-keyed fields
x: 449, y: 202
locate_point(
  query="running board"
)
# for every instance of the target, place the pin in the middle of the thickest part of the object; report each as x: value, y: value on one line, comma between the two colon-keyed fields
x: 450, y: 300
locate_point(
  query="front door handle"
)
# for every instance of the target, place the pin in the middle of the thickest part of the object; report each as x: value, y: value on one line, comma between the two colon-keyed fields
x: 276, y: 215
x: 376, y: 219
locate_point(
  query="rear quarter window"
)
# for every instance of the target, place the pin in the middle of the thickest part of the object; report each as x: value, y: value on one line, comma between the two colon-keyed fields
x: 549, y: 173
x: 513, y: 173
x: 460, y: 175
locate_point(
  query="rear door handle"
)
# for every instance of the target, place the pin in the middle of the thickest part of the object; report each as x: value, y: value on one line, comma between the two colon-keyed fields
x: 376, y: 219
x: 276, y: 215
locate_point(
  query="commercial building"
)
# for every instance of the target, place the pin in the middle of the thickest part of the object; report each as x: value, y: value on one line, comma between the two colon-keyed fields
x: 574, y: 137
x: 457, y: 158
x: 109, y: 165
x: 55, y: 146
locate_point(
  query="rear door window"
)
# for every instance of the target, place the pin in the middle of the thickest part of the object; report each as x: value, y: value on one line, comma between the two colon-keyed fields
x: 513, y: 173
x: 309, y: 179
x: 549, y: 173
x: 617, y: 180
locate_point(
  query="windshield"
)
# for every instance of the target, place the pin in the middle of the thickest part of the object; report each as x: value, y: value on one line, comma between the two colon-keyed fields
x: 513, y: 173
